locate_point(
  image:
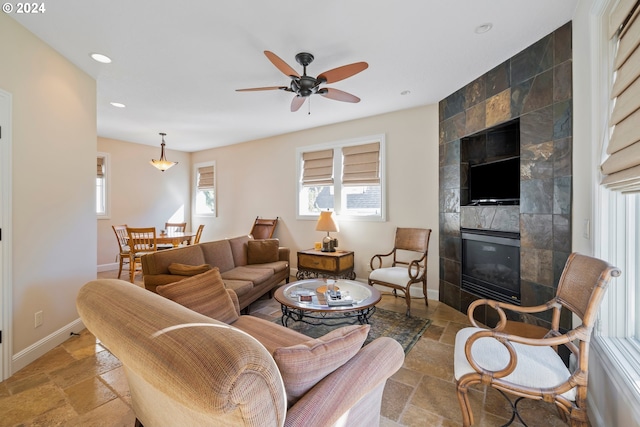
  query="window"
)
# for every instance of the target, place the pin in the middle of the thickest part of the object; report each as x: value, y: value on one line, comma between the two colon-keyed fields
x: 205, y: 196
x: 618, y: 214
x: 102, y: 186
x: 346, y: 177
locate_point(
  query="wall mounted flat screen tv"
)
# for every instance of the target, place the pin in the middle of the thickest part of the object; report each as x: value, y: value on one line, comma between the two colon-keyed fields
x: 495, y: 182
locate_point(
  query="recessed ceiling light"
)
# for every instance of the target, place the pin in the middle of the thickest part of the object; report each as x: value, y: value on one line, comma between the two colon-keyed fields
x: 100, y: 58
x: 117, y: 104
x: 481, y: 29
x: 405, y: 92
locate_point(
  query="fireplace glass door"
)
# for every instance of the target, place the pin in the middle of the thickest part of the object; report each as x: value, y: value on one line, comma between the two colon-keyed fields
x: 491, y: 264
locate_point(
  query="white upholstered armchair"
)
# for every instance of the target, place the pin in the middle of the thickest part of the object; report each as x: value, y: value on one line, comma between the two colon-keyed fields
x: 532, y: 368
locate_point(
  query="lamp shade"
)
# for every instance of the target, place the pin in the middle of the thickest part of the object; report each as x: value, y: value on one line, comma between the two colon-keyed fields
x: 326, y: 222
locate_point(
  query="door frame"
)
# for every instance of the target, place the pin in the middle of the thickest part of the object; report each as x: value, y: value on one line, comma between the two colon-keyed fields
x: 6, y: 313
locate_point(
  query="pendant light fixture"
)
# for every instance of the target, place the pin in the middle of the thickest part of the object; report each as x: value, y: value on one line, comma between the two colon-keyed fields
x: 163, y: 164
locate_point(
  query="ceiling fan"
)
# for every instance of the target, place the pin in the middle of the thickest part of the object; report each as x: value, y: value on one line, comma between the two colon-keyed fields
x: 304, y: 86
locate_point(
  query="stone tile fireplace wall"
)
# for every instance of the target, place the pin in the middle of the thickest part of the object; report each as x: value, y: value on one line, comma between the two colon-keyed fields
x: 535, y: 86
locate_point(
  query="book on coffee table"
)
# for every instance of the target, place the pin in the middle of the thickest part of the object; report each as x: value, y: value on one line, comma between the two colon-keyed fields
x: 337, y: 299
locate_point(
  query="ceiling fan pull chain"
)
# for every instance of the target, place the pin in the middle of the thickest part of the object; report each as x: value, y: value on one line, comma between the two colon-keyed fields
x: 309, y: 104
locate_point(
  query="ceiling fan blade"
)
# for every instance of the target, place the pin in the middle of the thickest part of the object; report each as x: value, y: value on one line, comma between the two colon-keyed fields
x: 297, y: 102
x: 338, y: 95
x: 343, y: 72
x: 262, y: 88
x: 281, y: 65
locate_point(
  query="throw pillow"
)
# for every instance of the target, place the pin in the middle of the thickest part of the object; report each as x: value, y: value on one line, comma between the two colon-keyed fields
x: 262, y: 251
x: 304, y: 365
x: 204, y: 293
x: 188, y: 270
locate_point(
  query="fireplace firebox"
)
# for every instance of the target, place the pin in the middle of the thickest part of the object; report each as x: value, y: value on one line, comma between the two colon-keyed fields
x: 491, y: 264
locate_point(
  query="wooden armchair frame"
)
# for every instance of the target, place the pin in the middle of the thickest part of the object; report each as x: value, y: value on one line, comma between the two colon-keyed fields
x: 581, y: 288
x: 414, y: 240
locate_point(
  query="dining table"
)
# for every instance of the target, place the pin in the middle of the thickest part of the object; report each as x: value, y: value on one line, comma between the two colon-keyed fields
x: 175, y: 237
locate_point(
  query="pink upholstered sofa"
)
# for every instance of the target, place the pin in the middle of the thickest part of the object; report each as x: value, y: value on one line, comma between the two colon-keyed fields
x: 187, y: 369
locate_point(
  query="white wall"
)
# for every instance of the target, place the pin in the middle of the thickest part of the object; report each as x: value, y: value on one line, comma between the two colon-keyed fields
x: 53, y: 188
x: 258, y: 178
x: 141, y: 195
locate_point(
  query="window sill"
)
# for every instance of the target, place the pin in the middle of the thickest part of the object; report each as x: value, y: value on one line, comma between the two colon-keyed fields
x: 620, y: 358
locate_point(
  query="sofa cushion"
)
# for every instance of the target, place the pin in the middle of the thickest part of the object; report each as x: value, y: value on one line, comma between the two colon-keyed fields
x: 188, y: 270
x: 255, y: 275
x: 277, y: 266
x: 204, y: 293
x: 262, y: 251
x: 304, y: 365
x: 239, y: 249
x: 218, y: 254
x: 240, y: 287
x: 158, y: 262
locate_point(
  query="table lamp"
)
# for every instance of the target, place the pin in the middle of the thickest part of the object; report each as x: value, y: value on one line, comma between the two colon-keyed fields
x: 327, y: 223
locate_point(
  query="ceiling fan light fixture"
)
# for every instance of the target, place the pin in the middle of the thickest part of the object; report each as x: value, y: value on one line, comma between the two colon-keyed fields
x: 163, y: 164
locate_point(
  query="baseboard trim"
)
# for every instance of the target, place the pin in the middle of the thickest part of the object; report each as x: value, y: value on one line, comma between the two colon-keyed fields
x: 108, y: 267
x: 46, y: 344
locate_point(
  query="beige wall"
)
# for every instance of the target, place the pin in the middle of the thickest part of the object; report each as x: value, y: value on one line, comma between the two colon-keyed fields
x: 258, y: 178
x: 141, y: 195
x: 53, y: 187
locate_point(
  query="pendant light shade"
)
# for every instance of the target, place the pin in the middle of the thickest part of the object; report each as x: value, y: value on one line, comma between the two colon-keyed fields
x: 163, y: 164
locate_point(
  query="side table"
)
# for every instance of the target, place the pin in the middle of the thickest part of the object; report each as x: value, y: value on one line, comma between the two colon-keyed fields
x: 314, y: 264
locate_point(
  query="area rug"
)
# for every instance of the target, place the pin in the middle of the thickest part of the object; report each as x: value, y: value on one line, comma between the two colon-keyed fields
x: 384, y: 323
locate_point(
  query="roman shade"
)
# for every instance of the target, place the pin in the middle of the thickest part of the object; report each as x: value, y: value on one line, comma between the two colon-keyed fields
x: 205, y: 178
x: 317, y: 168
x: 621, y: 168
x: 100, y: 173
x: 361, y: 164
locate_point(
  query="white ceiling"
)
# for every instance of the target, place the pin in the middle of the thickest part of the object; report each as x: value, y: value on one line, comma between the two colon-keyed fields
x: 176, y: 64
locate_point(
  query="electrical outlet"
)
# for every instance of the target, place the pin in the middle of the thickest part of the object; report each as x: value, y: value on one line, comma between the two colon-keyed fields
x: 38, y: 319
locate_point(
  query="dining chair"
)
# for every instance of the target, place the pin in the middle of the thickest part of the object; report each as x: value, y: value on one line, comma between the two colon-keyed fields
x: 528, y: 367
x: 142, y: 241
x: 405, y: 265
x: 123, y: 238
x: 170, y: 227
x: 196, y: 239
x: 175, y: 226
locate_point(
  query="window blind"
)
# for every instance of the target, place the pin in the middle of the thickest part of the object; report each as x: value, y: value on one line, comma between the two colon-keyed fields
x: 317, y: 168
x: 205, y: 178
x: 100, y: 173
x: 621, y: 168
x: 361, y: 164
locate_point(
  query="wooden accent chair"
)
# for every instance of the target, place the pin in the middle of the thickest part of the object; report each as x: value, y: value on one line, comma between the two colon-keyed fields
x: 263, y: 228
x: 123, y: 243
x: 532, y: 368
x: 142, y: 241
x: 408, y: 260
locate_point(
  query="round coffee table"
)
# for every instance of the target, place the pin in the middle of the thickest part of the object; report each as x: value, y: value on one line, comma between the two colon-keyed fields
x: 306, y: 301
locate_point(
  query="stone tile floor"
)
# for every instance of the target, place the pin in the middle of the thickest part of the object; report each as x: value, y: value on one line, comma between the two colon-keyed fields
x: 79, y: 383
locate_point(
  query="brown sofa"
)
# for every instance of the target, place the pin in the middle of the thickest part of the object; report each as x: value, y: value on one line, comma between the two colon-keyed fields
x: 250, y: 267
x: 186, y: 369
